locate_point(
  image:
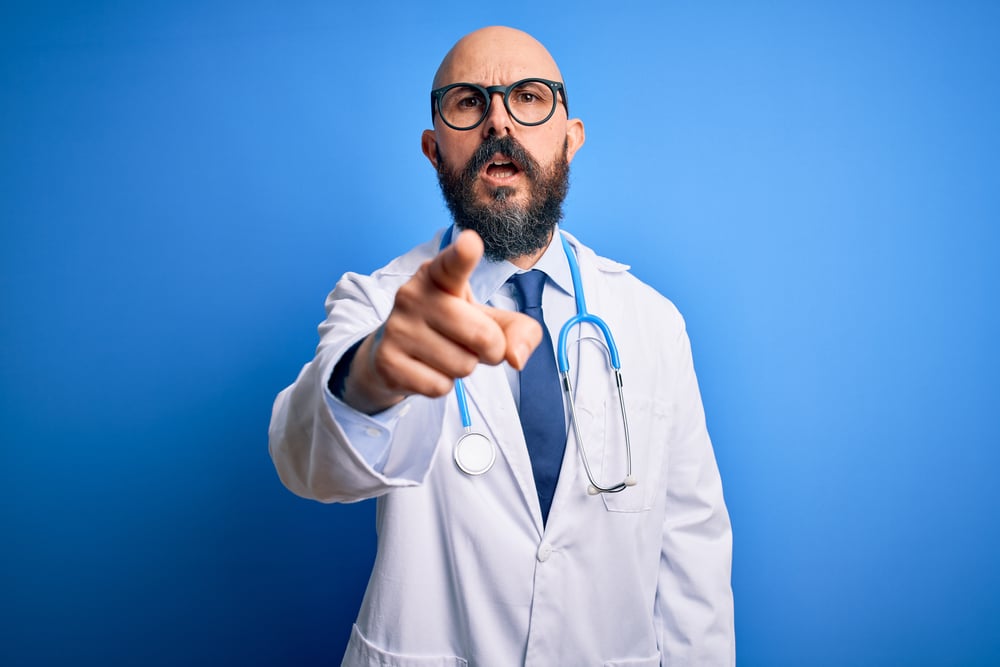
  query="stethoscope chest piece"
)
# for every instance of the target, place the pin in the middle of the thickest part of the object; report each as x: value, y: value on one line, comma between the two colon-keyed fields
x: 474, y: 453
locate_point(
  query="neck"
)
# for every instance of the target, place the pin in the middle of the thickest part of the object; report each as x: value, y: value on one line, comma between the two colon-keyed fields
x: 528, y: 261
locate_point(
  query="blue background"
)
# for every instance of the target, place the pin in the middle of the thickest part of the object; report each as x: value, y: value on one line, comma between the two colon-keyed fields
x: 814, y: 184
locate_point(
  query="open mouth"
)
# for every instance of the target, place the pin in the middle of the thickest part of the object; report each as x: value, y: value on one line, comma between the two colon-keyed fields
x: 502, y: 168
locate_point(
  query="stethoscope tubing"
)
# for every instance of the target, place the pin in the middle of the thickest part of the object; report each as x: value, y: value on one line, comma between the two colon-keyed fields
x: 581, y: 317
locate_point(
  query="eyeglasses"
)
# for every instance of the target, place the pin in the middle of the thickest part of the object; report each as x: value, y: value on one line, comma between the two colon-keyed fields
x: 463, y: 106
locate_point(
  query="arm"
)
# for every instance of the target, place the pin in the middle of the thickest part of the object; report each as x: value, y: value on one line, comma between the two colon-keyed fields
x: 694, y: 600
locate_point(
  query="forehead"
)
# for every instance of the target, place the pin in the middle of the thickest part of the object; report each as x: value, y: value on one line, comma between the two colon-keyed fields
x: 496, y: 57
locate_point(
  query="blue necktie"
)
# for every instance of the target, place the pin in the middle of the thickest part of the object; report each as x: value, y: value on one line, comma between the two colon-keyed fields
x: 541, y: 399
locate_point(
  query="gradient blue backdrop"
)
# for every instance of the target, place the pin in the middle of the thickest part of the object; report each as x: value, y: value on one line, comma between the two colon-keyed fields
x: 181, y: 183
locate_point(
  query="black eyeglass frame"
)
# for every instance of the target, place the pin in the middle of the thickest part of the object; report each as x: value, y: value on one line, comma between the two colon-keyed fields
x: 557, y: 87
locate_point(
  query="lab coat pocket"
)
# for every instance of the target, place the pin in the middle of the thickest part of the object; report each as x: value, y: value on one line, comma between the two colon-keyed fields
x: 648, y: 428
x: 363, y: 653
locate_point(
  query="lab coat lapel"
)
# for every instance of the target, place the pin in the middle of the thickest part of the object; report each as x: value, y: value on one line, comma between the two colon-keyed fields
x: 489, y: 394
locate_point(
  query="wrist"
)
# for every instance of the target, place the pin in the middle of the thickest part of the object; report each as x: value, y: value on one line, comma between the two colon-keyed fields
x: 363, y: 388
x: 338, y: 378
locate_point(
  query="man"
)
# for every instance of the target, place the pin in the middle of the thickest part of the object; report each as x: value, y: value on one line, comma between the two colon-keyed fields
x: 506, y: 553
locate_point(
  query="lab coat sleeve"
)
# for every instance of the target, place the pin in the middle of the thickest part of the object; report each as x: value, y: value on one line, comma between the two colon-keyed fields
x: 694, y: 600
x: 328, y: 459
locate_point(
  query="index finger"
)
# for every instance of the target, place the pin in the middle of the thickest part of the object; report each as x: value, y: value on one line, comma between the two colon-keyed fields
x: 451, y: 269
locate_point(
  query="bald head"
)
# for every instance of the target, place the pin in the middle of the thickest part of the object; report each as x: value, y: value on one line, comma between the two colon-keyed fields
x: 502, y: 177
x: 495, y: 55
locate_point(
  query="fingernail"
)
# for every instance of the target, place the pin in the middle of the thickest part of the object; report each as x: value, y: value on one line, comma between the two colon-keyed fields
x: 521, y: 353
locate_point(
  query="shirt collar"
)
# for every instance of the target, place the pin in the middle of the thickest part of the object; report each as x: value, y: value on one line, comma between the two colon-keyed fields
x: 490, y: 276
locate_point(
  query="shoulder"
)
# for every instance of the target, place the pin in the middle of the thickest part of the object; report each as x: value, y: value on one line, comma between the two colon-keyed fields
x: 614, y: 281
x: 404, y: 266
x: 386, y: 280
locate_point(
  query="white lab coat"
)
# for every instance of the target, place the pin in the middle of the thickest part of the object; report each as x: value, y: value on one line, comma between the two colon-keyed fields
x: 466, y: 573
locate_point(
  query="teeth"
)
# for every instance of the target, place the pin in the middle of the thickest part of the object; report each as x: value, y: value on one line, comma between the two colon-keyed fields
x: 500, y: 163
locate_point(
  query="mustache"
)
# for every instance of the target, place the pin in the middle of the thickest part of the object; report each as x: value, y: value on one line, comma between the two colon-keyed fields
x: 507, y: 146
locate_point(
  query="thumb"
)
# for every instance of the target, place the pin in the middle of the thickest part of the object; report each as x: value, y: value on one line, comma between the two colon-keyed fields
x: 451, y: 269
x: 522, y: 333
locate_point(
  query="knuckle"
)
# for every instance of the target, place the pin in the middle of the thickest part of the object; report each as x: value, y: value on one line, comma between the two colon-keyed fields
x: 485, y: 342
x: 437, y: 387
x: 466, y: 365
x: 393, y: 329
x: 493, y: 355
x: 408, y: 297
x: 387, y: 369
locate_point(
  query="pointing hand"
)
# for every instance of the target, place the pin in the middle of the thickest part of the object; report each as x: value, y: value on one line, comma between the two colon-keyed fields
x: 436, y: 333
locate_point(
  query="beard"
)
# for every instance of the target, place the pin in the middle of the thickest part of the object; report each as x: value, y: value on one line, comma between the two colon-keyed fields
x: 509, y: 230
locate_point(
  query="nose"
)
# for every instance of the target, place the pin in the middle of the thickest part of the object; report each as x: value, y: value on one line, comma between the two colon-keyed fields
x: 497, y: 122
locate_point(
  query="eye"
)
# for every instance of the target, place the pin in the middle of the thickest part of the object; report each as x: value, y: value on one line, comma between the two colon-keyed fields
x: 469, y: 101
x: 463, y: 100
x: 530, y: 94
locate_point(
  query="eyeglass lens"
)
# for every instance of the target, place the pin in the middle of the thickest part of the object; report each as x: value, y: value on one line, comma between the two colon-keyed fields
x: 531, y: 102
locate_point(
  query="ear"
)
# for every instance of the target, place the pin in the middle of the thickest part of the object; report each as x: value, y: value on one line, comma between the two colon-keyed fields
x: 428, y: 144
x: 575, y: 136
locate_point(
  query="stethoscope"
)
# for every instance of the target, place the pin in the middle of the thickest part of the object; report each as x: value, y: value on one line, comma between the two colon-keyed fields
x: 475, y: 453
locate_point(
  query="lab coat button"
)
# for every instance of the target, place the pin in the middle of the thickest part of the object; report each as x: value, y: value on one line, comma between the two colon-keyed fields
x: 544, y: 552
